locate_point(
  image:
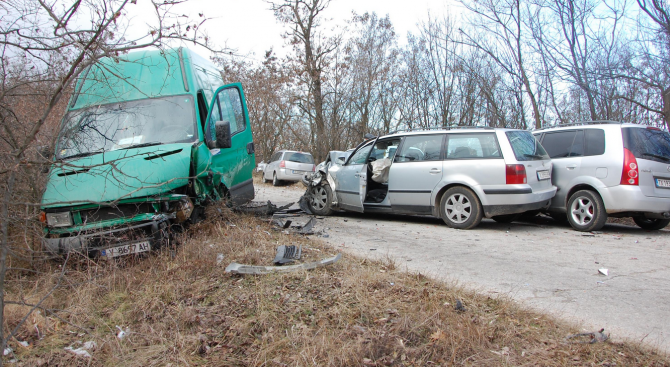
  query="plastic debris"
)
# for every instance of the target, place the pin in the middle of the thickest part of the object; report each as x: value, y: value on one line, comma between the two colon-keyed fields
x: 7, y: 351
x: 603, y: 271
x: 459, y: 306
x: 594, y: 337
x: 219, y: 259
x: 122, y: 333
x: 24, y: 344
x: 84, y: 350
x: 287, y: 254
x: 236, y: 268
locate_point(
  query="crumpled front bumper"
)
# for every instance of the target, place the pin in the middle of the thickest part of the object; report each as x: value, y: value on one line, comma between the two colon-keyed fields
x: 100, y: 240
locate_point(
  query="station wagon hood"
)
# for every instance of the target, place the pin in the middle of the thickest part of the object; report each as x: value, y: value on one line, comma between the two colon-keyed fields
x: 117, y: 175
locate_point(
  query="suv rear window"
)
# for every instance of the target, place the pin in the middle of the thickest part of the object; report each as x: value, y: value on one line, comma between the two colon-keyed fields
x: 525, y: 146
x: 651, y: 144
x: 299, y: 158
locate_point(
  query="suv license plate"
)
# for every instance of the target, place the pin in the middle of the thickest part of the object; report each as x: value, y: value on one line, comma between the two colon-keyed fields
x: 133, y: 248
x: 543, y: 175
x: 660, y: 182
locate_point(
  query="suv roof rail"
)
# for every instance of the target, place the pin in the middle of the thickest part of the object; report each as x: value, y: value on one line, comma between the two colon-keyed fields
x: 581, y: 123
x: 440, y: 128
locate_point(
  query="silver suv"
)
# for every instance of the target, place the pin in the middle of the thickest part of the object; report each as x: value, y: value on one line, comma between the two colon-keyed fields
x: 458, y: 175
x: 612, y: 169
x: 288, y: 165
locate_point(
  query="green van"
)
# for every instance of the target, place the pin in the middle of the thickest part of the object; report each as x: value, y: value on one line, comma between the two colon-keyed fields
x: 147, y: 140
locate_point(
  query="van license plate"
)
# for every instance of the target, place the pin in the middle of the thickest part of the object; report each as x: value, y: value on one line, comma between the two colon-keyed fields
x: 543, y: 175
x: 663, y: 183
x: 297, y: 172
x: 133, y: 248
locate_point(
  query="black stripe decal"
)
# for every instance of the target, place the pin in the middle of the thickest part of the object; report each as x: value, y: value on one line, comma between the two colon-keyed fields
x: 411, y: 191
x: 508, y: 191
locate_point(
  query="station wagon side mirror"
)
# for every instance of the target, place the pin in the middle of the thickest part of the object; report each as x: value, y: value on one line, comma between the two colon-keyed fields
x: 223, y: 139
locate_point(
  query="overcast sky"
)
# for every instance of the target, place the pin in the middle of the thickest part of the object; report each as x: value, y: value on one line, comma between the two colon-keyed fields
x: 250, y: 26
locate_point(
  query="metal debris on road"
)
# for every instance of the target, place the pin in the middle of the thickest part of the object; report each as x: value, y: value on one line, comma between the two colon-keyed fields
x: 603, y: 271
x: 236, y: 268
x: 594, y: 337
x: 287, y: 254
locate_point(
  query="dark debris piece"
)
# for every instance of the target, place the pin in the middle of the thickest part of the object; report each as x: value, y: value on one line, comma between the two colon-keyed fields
x: 287, y: 254
x: 459, y: 306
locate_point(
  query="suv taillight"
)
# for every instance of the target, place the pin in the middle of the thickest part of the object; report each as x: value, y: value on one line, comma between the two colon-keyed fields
x: 515, y: 174
x: 282, y: 164
x: 313, y: 168
x: 630, y: 174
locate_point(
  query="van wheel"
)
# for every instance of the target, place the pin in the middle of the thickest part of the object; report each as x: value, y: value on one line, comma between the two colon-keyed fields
x: 320, y: 200
x: 586, y: 211
x: 507, y: 218
x: 275, y: 181
x: 650, y: 223
x: 460, y: 208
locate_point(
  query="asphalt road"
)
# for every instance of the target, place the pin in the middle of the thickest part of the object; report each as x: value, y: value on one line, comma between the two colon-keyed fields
x: 543, y: 264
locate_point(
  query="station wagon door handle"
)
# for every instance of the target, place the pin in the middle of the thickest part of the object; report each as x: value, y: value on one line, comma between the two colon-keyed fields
x: 571, y: 167
x: 435, y: 171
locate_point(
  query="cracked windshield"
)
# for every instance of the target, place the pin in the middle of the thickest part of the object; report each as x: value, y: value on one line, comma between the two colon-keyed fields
x: 129, y: 124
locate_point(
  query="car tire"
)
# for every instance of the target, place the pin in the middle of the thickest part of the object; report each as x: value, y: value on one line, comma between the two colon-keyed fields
x: 460, y: 208
x: 586, y: 211
x: 275, y: 181
x: 265, y: 180
x: 650, y: 224
x: 320, y: 200
x: 507, y: 218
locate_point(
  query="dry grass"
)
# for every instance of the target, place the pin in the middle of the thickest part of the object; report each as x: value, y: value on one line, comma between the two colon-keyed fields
x: 182, y: 309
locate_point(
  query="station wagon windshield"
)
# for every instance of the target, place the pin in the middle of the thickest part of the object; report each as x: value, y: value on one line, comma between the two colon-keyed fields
x: 126, y: 125
x: 525, y: 146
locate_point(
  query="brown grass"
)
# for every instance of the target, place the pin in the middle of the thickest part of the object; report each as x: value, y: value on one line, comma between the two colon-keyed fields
x: 182, y: 309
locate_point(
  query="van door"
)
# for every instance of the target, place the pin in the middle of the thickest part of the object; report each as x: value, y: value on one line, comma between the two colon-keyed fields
x: 565, y: 148
x: 233, y: 161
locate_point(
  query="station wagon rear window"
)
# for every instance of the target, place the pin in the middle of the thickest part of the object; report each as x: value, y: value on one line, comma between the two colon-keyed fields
x: 299, y: 158
x: 525, y: 146
x: 651, y: 144
x: 463, y: 146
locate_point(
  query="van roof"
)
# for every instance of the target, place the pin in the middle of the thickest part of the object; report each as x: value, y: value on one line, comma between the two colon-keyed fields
x: 137, y: 75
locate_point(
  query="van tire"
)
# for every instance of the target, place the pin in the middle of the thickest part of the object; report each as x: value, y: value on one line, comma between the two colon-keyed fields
x: 650, y: 224
x: 275, y: 181
x: 320, y: 200
x: 460, y: 208
x: 507, y: 218
x: 586, y: 211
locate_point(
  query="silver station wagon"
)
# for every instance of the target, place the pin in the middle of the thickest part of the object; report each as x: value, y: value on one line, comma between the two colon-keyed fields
x: 459, y: 175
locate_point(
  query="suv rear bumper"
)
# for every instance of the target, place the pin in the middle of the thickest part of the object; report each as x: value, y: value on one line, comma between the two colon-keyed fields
x: 286, y: 174
x: 622, y: 198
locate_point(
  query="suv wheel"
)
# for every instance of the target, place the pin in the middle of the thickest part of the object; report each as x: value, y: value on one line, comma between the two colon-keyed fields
x: 275, y: 181
x: 586, y: 211
x: 650, y: 223
x: 507, y: 218
x: 460, y: 208
x: 320, y: 200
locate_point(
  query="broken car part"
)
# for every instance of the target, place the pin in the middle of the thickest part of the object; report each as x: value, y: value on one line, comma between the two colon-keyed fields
x: 287, y: 254
x: 236, y: 268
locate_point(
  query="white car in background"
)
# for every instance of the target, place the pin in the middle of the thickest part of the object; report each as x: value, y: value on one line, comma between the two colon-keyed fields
x: 288, y: 165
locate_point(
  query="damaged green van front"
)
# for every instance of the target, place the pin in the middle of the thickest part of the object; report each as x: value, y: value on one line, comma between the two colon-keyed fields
x: 147, y: 140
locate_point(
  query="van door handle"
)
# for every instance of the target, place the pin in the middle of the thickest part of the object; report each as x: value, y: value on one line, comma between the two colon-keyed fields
x: 571, y: 167
x: 435, y: 171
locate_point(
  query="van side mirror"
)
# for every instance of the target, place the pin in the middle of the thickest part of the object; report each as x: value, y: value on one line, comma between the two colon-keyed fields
x: 223, y: 139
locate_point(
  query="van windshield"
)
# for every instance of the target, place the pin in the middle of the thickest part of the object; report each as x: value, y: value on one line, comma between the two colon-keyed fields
x: 127, y: 124
x: 299, y: 158
x: 651, y: 144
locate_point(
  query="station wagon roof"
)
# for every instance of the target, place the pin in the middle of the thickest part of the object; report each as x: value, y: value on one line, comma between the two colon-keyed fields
x: 463, y: 130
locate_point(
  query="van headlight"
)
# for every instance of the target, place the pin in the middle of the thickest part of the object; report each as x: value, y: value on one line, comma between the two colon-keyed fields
x: 59, y: 219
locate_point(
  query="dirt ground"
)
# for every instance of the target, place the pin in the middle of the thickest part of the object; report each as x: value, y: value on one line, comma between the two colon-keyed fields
x: 543, y: 264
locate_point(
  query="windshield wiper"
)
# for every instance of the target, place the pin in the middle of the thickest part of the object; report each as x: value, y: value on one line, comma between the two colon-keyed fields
x: 141, y: 145
x: 534, y: 156
x: 79, y: 155
x: 657, y: 156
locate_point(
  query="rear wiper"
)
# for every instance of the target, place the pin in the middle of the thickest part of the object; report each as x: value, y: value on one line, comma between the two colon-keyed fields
x: 534, y: 156
x: 141, y: 145
x: 657, y: 156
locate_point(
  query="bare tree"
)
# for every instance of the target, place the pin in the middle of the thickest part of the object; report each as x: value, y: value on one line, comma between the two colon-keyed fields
x: 312, y: 49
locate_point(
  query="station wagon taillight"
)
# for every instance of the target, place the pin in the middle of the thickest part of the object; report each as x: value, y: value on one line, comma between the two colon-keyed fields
x: 515, y: 174
x: 282, y: 164
x: 630, y: 174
